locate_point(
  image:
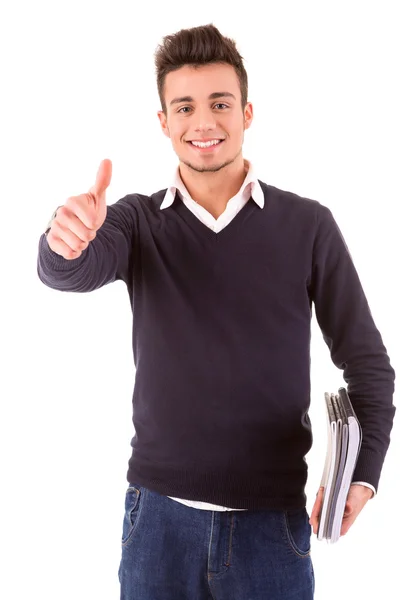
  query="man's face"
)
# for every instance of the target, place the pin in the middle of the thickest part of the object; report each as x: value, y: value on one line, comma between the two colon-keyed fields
x: 192, y: 115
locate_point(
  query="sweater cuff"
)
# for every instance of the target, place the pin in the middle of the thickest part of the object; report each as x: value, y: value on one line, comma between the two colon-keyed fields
x: 368, y: 467
x: 368, y: 485
x: 54, y: 261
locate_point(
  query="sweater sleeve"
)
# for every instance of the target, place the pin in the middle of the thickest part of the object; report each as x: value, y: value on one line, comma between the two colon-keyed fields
x: 107, y: 258
x: 354, y: 342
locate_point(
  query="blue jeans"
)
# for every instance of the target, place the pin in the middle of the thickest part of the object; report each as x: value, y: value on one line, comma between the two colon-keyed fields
x: 171, y: 551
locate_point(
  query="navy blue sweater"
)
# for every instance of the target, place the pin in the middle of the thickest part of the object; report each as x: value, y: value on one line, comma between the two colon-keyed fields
x: 221, y: 343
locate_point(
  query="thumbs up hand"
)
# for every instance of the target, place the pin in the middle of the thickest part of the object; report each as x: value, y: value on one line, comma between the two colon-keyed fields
x: 76, y: 223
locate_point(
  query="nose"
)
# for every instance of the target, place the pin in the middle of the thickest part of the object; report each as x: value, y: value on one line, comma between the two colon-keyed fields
x: 205, y: 120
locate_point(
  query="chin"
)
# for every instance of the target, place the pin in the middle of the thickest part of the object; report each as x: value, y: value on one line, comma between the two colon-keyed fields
x: 201, y: 166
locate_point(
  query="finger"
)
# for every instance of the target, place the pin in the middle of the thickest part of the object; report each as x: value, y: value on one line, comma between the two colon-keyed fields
x: 103, y: 179
x: 60, y: 247
x: 68, y: 220
x: 314, y: 518
x: 314, y: 523
x: 318, y: 500
x: 316, y: 512
x: 68, y: 237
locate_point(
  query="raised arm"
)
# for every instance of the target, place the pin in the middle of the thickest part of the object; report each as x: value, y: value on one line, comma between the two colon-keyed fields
x: 89, y: 244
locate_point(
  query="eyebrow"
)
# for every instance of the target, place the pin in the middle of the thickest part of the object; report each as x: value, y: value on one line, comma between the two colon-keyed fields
x: 212, y: 96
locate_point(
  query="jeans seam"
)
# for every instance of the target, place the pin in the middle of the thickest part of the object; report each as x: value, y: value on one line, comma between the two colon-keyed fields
x: 291, y: 540
x: 228, y: 562
x: 139, y: 499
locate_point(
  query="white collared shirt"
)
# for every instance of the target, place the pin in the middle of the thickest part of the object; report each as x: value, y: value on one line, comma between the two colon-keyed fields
x: 250, y: 187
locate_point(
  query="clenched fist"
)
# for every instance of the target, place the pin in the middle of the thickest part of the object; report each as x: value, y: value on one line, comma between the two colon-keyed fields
x: 76, y: 223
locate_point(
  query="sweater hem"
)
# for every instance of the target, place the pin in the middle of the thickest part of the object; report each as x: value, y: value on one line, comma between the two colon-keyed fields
x: 249, y: 490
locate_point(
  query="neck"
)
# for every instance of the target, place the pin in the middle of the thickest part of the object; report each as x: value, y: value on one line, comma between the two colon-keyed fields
x: 213, y: 189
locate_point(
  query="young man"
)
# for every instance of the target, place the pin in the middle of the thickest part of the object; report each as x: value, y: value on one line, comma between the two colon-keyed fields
x: 222, y: 270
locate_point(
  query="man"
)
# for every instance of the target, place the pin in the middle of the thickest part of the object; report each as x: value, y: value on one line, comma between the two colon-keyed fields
x: 222, y: 270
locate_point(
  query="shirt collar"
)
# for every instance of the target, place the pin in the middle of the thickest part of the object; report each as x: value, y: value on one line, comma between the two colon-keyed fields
x: 250, y: 184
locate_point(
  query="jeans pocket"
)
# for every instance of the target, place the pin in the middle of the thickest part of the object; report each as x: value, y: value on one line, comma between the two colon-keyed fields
x: 133, y: 504
x: 297, y: 531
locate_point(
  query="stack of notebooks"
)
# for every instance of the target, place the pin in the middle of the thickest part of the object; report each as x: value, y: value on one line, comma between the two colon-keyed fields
x: 344, y: 441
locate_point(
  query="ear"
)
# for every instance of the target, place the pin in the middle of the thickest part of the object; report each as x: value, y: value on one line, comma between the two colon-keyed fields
x: 248, y: 115
x: 163, y: 122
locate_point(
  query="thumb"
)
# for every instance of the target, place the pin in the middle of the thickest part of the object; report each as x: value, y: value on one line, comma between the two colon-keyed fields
x: 103, y: 179
x: 348, y: 509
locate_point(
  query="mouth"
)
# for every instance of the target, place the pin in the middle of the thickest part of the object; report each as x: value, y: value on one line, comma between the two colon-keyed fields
x: 209, y: 148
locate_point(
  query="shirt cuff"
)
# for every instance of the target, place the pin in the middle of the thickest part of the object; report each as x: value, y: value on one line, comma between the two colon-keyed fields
x: 368, y: 485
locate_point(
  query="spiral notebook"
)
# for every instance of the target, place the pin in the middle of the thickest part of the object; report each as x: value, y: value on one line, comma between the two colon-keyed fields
x: 344, y: 442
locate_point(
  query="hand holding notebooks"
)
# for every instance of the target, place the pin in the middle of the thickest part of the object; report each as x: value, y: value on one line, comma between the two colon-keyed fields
x: 344, y: 442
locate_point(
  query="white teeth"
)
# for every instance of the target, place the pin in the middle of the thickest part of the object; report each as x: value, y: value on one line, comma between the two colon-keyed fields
x: 206, y: 144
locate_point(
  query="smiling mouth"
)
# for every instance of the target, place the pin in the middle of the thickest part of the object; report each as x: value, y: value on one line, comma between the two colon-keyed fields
x: 208, y: 147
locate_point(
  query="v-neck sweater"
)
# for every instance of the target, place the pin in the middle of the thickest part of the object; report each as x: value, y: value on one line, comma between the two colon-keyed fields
x: 221, y: 343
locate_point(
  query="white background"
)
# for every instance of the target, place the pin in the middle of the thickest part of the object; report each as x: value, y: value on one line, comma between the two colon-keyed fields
x: 78, y: 86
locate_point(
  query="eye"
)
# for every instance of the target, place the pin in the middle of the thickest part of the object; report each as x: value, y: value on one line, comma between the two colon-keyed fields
x: 218, y: 104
